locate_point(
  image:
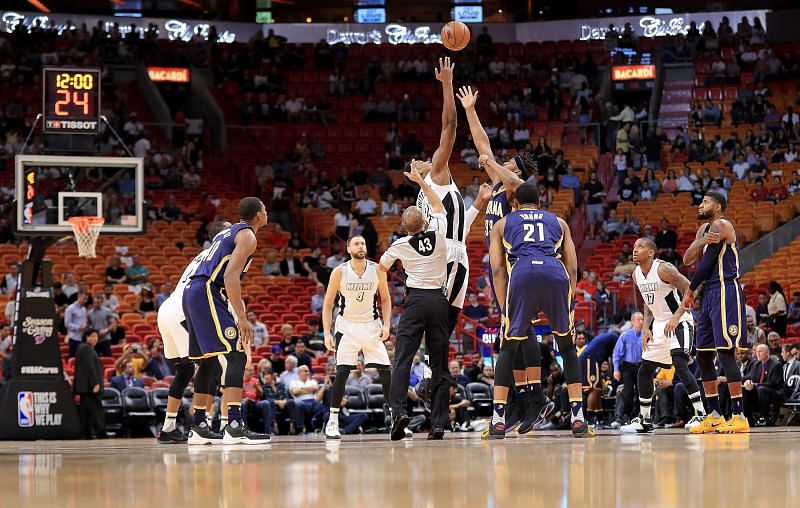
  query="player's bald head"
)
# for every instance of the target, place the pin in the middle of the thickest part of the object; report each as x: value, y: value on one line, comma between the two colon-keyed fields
x: 413, y: 220
x: 216, y: 227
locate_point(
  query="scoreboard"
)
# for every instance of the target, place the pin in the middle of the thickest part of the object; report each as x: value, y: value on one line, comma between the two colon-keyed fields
x: 71, y: 100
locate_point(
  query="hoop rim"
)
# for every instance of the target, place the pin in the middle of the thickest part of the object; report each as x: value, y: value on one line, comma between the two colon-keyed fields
x: 91, y: 219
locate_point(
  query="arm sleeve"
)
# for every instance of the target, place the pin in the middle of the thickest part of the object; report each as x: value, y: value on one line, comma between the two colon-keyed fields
x: 705, y: 265
x: 472, y: 214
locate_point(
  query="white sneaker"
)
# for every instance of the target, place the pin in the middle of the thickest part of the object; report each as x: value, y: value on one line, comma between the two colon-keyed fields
x: 332, y: 429
x: 637, y: 426
x: 408, y: 433
x: 237, y: 433
x: 695, y: 421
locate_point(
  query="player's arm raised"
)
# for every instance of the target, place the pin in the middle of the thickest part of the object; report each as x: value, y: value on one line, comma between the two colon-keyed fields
x: 245, y: 246
x: 440, y: 172
x: 468, y: 99
x: 505, y: 175
x: 497, y: 260
x: 415, y: 175
x: 671, y: 275
x: 386, y: 304
x: 327, y: 306
x: 695, y: 250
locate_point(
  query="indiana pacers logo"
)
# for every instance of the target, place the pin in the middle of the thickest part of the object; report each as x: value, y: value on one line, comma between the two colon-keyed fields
x: 230, y: 333
x: 733, y: 330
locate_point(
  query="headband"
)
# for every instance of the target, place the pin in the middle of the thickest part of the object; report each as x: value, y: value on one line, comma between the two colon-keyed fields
x: 518, y: 162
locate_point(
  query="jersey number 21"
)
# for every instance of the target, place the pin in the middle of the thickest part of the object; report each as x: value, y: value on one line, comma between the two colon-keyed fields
x: 531, y: 230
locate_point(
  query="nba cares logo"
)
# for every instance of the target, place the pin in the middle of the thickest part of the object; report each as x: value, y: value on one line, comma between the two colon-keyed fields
x: 25, y: 409
x: 39, y: 339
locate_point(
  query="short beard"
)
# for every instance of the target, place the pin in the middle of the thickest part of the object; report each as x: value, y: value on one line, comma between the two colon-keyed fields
x: 359, y: 256
x: 704, y: 216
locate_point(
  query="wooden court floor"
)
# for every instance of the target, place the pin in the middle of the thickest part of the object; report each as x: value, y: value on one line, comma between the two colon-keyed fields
x: 761, y: 469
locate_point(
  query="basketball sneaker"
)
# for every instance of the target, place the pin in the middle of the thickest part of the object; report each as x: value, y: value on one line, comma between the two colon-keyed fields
x: 202, y: 434
x: 696, y: 420
x: 537, y: 418
x: 332, y: 429
x: 708, y: 424
x: 237, y: 433
x: 581, y: 429
x: 174, y: 436
x: 436, y: 434
x: 637, y: 426
x: 398, y: 427
x: 738, y: 424
x: 496, y: 431
x: 518, y: 412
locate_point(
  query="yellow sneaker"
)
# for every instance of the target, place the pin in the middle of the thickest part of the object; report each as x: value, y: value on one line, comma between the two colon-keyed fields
x: 708, y: 425
x: 738, y: 424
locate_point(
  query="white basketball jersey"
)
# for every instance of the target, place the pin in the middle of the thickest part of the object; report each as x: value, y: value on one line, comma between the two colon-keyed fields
x: 358, y: 295
x: 453, y: 206
x: 661, y: 298
x: 174, y: 303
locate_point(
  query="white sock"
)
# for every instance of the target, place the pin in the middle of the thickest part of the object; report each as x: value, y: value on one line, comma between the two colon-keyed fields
x: 223, y: 422
x: 499, y: 416
x: 209, y: 419
x: 169, y: 422
x: 697, y: 404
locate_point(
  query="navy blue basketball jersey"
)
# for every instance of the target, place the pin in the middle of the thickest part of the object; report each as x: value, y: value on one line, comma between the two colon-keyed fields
x: 726, y: 267
x: 497, y: 208
x: 532, y: 234
x: 213, y: 265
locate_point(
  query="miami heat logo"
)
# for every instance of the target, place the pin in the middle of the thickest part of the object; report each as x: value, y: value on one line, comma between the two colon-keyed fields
x: 733, y: 330
x: 230, y: 333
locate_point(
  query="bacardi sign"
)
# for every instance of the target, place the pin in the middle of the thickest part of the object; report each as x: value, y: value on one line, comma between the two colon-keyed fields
x: 633, y: 72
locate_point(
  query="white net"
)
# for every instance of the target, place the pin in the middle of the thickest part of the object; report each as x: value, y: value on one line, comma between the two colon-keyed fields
x: 86, y: 230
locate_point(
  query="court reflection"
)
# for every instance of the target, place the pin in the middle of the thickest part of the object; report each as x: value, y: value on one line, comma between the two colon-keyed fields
x: 619, y: 471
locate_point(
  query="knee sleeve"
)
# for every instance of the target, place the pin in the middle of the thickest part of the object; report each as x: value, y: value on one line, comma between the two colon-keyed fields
x: 644, y: 379
x: 183, y: 374
x: 729, y: 366
x: 681, y: 363
x: 705, y: 361
x: 234, y: 370
x: 204, y: 377
x: 504, y: 375
x: 531, y: 353
x: 572, y: 370
x: 337, y: 390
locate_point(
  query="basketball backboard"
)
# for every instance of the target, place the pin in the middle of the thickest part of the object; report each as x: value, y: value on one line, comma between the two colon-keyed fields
x: 51, y: 189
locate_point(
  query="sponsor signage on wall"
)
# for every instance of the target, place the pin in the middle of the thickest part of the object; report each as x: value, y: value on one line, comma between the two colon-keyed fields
x: 169, y: 74
x: 633, y: 72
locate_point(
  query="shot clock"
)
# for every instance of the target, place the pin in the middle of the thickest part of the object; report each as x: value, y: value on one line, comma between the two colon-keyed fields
x: 71, y: 100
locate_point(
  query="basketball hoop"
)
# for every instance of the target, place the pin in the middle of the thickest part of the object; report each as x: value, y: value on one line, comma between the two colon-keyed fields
x: 86, y: 230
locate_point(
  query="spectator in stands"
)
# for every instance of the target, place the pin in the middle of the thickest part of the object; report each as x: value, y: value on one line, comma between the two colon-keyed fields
x: 484, y: 43
x: 358, y: 377
x: 8, y: 284
x: 88, y: 385
x: 761, y: 309
x: 291, y: 266
x: 587, y: 287
x: 171, y: 211
x: 774, y: 343
x: 594, y: 193
x: 317, y: 299
x: 271, y: 264
x: 343, y: 221
x: 163, y: 294
x: 763, y: 386
x: 366, y: 206
x: 627, y: 191
x: 288, y: 339
x: 133, y: 128
x: 630, y: 224
x: 741, y: 167
x: 666, y: 238
x: 759, y: 193
x: 147, y: 302
x: 127, y: 378
x: 686, y: 181
x: 302, y: 354
x: 335, y: 260
x: 612, y: 227
x: 793, y: 313
x: 192, y: 179
x: 777, y: 308
x: 670, y: 183
x: 158, y: 366
x: 137, y: 273
x: 99, y: 319
x: 487, y: 375
x: 290, y: 373
x: 76, y: 322
x: 275, y: 401
x: 116, y: 330
x: 276, y: 360
x: 778, y: 191
x: 389, y: 207
x: 68, y: 286
x: 321, y: 272
x: 304, y: 390
x: 260, y: 332
x: 455, y: 372
x: 697, y: 194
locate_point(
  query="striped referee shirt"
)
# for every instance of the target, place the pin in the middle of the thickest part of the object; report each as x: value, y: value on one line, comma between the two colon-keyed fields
x: 457, y: 226
x: 424, y: 255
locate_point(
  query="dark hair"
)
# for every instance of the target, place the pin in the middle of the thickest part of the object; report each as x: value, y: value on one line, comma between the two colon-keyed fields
x: 775, y: 287
x: 530, y: 166
x: 216, y: 227
x: 650, y: 243
x: 527, y: 194
x: 88, y: 332
x: 249, y: 207
x: 796, y: 293
x: 719, y: 198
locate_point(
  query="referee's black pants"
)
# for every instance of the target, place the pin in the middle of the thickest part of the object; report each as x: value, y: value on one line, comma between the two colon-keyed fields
x: 630, y: 371
x: 425, y: 311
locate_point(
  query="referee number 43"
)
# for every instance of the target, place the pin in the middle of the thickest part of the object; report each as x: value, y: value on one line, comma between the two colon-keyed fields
x: 425, y: 245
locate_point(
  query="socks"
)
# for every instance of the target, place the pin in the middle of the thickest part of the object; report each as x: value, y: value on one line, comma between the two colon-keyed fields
x: 169, y: 422
x: 209, y: 420
x: 234, y: 412
x: 736, y: 404
x: 713, y: 404
x: 499, y: 415
x: 645, y: 405
x: 223, y: 422
x: 577, y: 409
x: 199, y: 416
x: 697, y: 404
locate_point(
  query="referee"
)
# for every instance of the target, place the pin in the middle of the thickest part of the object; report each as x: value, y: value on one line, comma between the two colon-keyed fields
x: 425, y: 309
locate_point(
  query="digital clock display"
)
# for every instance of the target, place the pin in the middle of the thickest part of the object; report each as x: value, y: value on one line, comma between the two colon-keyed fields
x: 71, y: 100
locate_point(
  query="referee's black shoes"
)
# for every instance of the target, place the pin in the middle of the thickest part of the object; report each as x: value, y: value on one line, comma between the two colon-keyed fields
x: 399, y: 426
x: 436, y: 434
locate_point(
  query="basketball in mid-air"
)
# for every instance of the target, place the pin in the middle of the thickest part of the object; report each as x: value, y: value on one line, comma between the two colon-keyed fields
x: 455, y: 36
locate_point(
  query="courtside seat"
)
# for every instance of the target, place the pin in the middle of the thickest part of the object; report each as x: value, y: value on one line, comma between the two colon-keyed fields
x: 137, y: 408
x: 481, y: 397
x: 112, y: 407
x: 356, y: 401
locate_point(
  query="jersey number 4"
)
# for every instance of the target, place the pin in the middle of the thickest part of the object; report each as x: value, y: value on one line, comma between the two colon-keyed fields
x: 531, y: 230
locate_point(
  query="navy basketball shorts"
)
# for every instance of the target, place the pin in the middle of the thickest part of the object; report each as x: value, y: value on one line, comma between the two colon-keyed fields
x: 538, y: 285
x: 212, y: 327
x: 720, y: 324
x: 590, y: 374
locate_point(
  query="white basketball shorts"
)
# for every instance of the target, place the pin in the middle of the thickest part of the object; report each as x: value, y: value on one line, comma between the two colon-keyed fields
x: 171, y: 326
x: 457, y: 273
x: 352, y: 337
x: 660, y: 349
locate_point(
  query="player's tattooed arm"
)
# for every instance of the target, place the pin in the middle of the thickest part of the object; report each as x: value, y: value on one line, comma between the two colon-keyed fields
x: 671, y: 275
x: 497, y: 259
x: 647, y: 330
x: 327, y: 307
x: 695, y: 250
x: 440, y: 173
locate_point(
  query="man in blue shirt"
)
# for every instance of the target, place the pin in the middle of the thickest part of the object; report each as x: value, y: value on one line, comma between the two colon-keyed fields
x: 597, y: 351
x: 571, y: 181
x: 627, y: 357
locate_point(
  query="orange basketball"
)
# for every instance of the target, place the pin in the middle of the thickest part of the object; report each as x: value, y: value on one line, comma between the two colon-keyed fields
x: 455, y: 36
